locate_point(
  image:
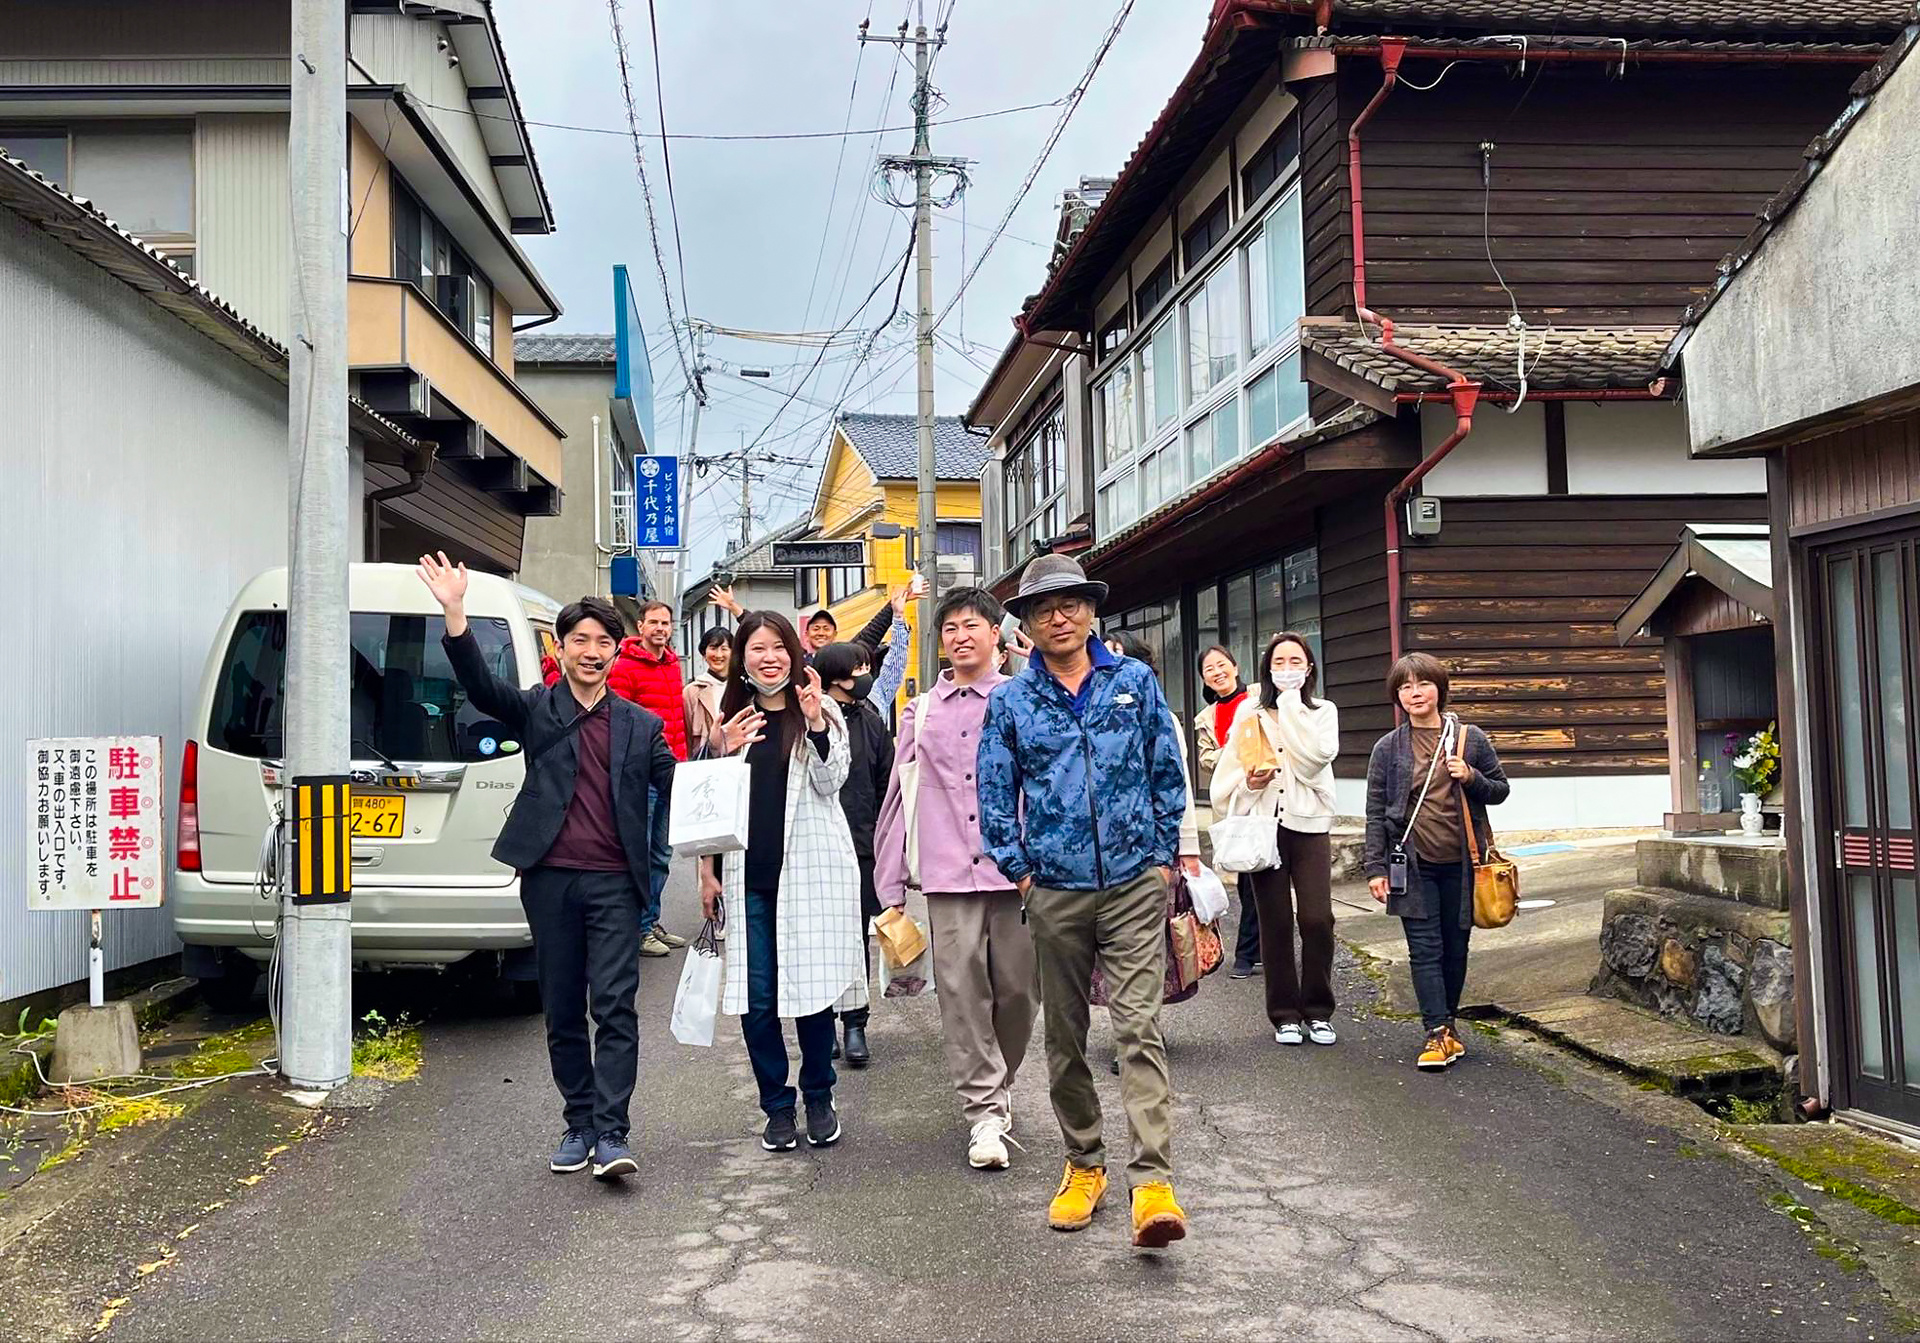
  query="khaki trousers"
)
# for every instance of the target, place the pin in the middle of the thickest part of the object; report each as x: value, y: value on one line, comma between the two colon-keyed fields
x: 988, y: 990
x: 1126, y: 928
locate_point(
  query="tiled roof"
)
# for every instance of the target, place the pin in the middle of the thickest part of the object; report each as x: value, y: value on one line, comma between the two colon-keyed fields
x: 1644, y: 47
x: 541, y: 347
x: 85, y: 229
x: 1699, y: 17
x: 1815, y: 155
x: 890, y: 446
x: 757, y: 558
x: 1558, y: 358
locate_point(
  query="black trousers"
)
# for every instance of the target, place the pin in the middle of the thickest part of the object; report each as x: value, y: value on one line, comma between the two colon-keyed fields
x: 586, y: 941
x: 1246, y: 948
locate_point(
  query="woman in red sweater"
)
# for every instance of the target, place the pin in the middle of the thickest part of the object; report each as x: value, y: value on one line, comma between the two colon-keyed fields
x: 1223, y: 691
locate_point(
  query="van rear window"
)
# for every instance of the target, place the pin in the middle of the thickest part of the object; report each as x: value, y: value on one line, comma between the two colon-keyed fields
x: 407, y: 705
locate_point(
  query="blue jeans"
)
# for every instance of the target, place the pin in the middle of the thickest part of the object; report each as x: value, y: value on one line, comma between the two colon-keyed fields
x: 659, y: 857
x: 766, y: 1046
x: 1437, y: 944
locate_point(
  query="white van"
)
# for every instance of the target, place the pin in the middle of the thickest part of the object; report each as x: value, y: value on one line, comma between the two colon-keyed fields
x: 433, y: 780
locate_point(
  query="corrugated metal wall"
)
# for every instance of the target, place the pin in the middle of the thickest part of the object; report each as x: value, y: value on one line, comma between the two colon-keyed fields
x: 145, y: 472
x: 212, y: 70
x: 242, y: 221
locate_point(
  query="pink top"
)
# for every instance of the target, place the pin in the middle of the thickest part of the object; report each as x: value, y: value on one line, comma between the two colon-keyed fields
x: 952, y: 859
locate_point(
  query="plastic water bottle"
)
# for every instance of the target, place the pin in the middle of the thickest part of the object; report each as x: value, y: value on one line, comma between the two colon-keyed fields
x: 1709, y: 793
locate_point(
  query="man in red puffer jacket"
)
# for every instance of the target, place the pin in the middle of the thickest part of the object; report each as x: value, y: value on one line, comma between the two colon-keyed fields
x: 647, y: 672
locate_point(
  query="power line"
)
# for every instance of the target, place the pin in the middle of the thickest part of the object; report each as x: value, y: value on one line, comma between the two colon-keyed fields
x: 833, y: 196
x: 666, y: 160
x: 646, y: 191
x: 1073, y: 99
x: 742, y: 136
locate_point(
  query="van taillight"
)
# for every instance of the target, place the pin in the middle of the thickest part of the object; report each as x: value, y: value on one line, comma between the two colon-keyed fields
x: 187, y: 852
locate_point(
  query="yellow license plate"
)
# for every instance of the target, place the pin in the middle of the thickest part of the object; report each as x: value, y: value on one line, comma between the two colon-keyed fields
x: 376, y: 816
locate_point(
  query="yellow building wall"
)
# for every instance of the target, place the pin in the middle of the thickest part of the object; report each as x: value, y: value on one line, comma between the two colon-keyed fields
x: 843, y: 514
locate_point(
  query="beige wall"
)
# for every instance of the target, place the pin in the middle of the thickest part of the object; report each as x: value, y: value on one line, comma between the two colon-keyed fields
x: 371, y: 181
x: 242, y: 224
x: 559, y: 557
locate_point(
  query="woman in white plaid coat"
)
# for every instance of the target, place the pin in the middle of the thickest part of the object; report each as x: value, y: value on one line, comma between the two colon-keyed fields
x: 794, y: 944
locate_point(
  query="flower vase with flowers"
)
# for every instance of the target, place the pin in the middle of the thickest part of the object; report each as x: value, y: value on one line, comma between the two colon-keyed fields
x: 1756, y: 764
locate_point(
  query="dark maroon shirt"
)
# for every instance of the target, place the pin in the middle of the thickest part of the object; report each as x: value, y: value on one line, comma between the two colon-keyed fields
x: 588, y: 839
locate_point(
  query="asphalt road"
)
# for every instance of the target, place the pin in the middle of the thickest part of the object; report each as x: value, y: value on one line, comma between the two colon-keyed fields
x: 1334, y: 1193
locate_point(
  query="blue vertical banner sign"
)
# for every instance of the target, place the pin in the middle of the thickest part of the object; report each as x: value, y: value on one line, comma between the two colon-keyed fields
x: 656, y: 503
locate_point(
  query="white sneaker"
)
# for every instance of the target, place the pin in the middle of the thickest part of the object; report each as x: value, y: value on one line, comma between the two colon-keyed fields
x: 1321, y: 1032
x: 987, y: 1146
x: 1289, y: 1034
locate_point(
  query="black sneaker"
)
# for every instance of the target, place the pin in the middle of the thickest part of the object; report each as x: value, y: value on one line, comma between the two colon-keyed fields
x: 823, y: 1123
x: 1242, y: 970
x: 780, y: 1135
x: 611, y: 1159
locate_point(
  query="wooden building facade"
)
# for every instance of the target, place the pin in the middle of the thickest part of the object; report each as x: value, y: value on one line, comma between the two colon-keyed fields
x: 1538, y: 228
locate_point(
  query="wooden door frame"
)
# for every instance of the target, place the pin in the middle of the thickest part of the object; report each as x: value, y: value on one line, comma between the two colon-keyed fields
x: 1810, y: 550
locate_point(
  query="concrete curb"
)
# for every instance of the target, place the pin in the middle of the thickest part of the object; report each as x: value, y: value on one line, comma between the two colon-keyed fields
x: 1709, y: 1070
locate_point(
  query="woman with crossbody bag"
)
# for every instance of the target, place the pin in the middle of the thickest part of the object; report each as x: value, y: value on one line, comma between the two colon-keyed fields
x: 1428, y: 780
x: 929, y: 836
x: 1293, y: 737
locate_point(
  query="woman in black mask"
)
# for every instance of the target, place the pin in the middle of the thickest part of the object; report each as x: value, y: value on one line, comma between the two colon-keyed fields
x: 848, y: 676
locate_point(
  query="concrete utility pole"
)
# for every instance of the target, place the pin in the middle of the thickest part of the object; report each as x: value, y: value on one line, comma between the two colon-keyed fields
x: 696, y: 336
x: 924, y: 164
x: 746, y: 494
x: 316, y: 1034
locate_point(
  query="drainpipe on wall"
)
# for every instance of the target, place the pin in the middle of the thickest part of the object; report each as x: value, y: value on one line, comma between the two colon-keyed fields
x: 1462, y: 390
x: 416, y: 478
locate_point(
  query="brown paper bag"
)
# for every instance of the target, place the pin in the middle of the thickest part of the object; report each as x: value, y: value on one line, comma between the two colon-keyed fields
x: 1251, y: 747
x: 902, y: 941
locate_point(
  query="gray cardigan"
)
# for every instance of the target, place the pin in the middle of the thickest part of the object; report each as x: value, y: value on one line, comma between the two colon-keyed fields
x: 1389, y: 787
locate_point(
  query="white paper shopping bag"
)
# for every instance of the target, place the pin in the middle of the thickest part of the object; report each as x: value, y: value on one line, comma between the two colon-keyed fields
x: 708, y: 812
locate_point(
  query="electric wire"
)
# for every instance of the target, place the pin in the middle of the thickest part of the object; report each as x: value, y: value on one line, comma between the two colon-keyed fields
x: 1073, y: 100
x: 743, y: 136
x: 666, y: 162
x: 839, y: 159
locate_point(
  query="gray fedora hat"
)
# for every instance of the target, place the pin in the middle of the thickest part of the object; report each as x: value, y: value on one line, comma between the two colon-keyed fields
x: 1048, y: 575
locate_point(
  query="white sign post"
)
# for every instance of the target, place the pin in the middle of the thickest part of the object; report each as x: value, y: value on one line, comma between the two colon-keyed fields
x: 99, y: 832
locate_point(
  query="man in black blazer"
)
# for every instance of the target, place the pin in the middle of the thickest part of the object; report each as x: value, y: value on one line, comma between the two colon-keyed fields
x: 578, y: 835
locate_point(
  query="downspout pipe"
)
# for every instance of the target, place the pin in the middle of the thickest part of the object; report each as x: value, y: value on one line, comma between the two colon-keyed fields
x: 1462, y: 390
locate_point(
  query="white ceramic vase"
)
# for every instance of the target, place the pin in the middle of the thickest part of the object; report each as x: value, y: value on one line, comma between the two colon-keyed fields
x: 1751, y: 820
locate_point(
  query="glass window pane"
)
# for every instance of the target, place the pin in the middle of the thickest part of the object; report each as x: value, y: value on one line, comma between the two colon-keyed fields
x: 1206, y: 603
x: 1871, y: 1025
x: 1906, y: 965
x: 1199, y: 343
x: 45, y: 153
x: 1241, y: 631
x: 1259, y: 301
x: 1161, y: 375
x: 1223, y: 325
x: 1270, y: 599
x: 1896, y: 733
x: 1290, y: 390
x: 143, y: 179
x: 1848, y: 710
x: 1263, y: 409
x: 1285, y: 269
x: 1200, y: 448
x: 1116, y: 417
x: 1303, y: 596
x: 1226, y: 432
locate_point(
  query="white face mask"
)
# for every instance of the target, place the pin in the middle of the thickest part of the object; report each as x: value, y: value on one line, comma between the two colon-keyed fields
x: 1291, y: 679
x: 768, y: 687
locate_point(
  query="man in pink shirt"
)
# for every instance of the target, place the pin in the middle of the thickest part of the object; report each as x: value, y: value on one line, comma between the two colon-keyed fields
x: 982, y: 952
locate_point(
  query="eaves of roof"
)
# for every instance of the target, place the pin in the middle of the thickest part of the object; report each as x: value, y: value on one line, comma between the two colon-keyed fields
x: 1559, y: 358
x: 1815, y: 156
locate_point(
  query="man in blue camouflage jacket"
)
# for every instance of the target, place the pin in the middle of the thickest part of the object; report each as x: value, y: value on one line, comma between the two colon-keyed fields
x: 1081, y: 796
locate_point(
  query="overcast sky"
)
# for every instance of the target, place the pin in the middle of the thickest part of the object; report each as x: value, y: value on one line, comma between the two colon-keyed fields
x: 754, y: 215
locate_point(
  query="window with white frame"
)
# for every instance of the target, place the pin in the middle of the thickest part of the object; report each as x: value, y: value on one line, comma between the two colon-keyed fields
x: 1212, y: 375
x: 1036, y: 484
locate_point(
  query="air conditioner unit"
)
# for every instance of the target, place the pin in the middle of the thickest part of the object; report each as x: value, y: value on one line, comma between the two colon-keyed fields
x: 954, y: 571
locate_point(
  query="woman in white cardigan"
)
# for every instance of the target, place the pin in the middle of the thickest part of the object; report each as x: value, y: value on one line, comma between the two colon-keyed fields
x: 794, y: 945
x: 1279, y: 763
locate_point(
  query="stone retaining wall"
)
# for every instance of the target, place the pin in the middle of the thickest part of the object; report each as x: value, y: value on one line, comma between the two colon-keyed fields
x: 1722, y: 965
